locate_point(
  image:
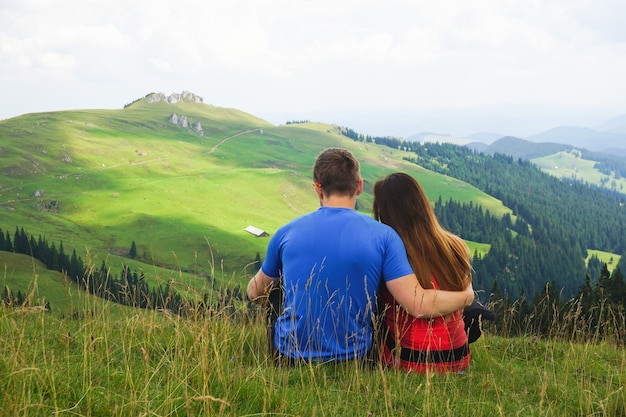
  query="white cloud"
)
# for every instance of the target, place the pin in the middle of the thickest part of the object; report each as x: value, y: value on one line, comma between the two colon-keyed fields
x: 311, y: 55
x: 161, y: 65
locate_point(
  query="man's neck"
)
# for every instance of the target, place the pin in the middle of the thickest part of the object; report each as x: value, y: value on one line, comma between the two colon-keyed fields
x: 339, y: 202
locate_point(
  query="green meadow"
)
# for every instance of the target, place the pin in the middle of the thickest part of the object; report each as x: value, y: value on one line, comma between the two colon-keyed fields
x: 610, y: 259
x: 110, y: 177
x: 107, y: 178
x: 571, y: 165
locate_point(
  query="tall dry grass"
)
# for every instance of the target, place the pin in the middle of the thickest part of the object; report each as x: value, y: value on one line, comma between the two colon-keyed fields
x: 111, y: 361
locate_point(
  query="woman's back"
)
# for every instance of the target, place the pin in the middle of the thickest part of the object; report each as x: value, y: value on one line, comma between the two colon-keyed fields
x: 421, y: 345
x: 439, y: 259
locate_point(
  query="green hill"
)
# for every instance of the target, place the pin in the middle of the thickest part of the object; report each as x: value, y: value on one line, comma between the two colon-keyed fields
x: 566, y: 161
x: 97, y: 180
x: 521, y: 148
x: 571, y: 165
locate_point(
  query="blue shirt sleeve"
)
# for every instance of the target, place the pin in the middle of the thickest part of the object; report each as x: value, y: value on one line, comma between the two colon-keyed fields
x: 396, y: 263
x: 272, y: 264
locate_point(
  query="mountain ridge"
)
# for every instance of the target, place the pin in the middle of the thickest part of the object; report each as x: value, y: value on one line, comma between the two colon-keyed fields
x: 521, y: 148
x: 605, y: 138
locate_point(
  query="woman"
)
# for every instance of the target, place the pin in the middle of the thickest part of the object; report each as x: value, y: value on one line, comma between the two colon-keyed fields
x: 440, y: 260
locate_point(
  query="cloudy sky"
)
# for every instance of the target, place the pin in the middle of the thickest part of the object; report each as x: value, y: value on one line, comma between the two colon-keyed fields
x: 381, y: 67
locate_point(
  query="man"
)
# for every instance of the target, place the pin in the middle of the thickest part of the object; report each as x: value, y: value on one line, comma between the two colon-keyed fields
x: 331, y: 263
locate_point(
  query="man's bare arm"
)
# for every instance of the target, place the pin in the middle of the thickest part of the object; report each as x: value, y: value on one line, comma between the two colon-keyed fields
x: 259, y: 286
x: 420, y: 302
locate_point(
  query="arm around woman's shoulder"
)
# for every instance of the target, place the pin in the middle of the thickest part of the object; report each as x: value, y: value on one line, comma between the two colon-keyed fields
x: 425, y: 303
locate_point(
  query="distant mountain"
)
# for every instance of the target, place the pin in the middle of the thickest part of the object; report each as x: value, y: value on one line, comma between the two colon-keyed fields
x: 621, y: 153
x: 486, y: 137
x: 617, y: 125
x: 433, y: 137
x: 608, y: 138
x: 520, y: 148
x: 478, y: 147
x: 582, y: 137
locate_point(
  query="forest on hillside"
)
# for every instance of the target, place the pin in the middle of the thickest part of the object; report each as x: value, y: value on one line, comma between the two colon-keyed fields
x: 127, y: 288
x: 545, y: 241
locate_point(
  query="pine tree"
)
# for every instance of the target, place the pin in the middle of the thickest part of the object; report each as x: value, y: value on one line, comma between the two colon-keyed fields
x: 8, y: 246
x: 3, y: 243
x: 617, y: 288
x: 20, y: 242
x: 132, y: 253
x: 586, y: 296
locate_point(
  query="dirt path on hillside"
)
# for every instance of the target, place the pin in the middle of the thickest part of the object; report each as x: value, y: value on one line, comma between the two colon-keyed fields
x: 220, y: 143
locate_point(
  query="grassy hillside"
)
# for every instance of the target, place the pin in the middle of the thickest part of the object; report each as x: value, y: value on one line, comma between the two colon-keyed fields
x: 610, y: 259
x: 108, y: 177
x: 560, y: 160
x: 571, y: 165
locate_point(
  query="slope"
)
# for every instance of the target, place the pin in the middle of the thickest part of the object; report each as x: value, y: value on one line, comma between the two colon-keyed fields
x: 565, y: 161
x: 99, y: 179
x: 573, y: 165
x: 21, y: 274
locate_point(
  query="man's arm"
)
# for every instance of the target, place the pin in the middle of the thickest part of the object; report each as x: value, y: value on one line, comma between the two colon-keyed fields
x: 422, y: 303
x: 259, y: 286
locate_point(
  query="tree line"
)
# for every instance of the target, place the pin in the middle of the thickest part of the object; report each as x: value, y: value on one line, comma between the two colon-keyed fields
x: 609, y: 165
x: 596, y: 312
x: 598, y: 304
x: 127, y: 287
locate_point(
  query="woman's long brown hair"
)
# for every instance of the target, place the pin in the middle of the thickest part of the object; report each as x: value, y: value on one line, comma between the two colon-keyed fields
x: 400, y: 202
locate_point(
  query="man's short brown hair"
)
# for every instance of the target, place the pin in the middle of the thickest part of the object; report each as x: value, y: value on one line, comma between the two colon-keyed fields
x: 337, y: 172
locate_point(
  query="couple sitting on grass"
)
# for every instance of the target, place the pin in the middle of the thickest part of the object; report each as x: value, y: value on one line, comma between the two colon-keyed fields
x: 390, y: 288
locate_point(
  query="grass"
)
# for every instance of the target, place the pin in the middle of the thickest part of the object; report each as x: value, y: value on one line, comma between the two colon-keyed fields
x: 152, y: 363
x: 570, y: 165
x: 96, y: 358
x: 480, y: 248
x: 186, y: 191
x: 610, y: 259
x: 21, y: 273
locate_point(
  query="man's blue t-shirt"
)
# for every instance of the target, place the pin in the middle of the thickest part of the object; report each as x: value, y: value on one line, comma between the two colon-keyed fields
x: 331, y: 262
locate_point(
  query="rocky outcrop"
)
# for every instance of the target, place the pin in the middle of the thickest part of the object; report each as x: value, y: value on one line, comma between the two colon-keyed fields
x: 197, y: 127
x: 48, y: 206
x: 181, y: 121
x: 185, y: 96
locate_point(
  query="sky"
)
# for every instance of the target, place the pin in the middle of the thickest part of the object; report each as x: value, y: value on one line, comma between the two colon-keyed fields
x: 380, y: 67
